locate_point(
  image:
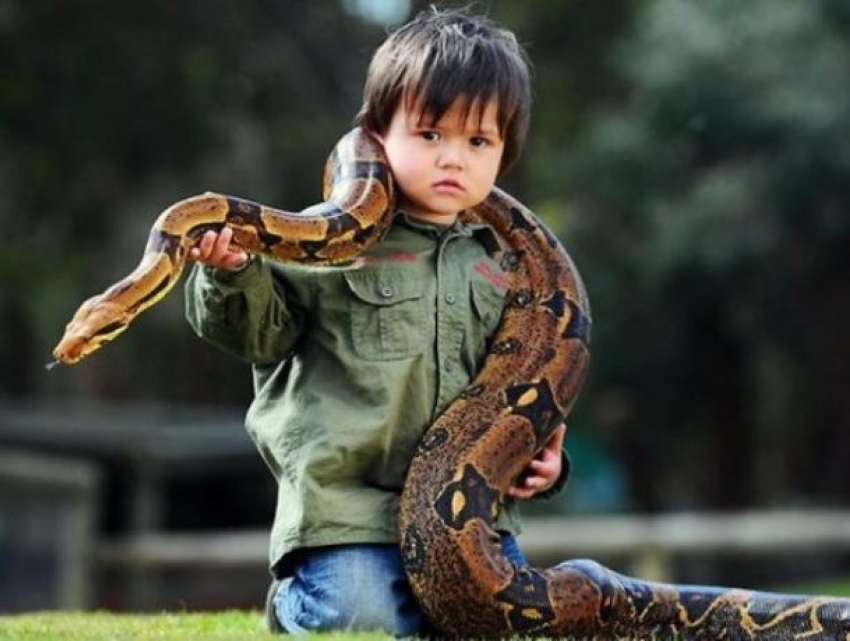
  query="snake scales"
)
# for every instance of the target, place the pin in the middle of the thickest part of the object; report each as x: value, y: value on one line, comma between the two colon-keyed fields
x: 469, y: 456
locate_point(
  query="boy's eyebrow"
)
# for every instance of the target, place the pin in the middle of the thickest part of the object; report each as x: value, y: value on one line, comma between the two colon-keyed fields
x: 416, y: 120
x: 488, y: 131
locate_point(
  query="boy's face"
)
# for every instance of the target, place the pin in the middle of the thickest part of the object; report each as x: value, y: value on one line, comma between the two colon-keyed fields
x: 443, y: 167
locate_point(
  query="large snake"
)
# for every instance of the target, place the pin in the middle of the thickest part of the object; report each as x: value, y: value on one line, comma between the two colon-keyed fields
x: 469, y: 457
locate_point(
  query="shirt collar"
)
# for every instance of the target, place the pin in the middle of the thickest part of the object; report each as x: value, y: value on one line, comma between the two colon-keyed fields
x: 429, y: 228
x: 482, y: 232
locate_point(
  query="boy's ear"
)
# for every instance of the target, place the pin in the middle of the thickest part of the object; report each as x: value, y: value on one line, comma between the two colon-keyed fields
x: 371, y: 131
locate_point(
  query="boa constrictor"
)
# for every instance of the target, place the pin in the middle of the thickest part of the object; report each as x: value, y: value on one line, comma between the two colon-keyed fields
x: 468, y: 458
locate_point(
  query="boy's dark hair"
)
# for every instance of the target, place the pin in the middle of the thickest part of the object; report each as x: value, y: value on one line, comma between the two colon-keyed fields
x: 442, y: 56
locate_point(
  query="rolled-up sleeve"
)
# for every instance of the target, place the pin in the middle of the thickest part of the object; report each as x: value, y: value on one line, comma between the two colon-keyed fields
x: 246, y: 313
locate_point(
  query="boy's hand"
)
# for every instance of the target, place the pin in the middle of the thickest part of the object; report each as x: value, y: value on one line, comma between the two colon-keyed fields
x: 215, y: 250
x: 543, y: 470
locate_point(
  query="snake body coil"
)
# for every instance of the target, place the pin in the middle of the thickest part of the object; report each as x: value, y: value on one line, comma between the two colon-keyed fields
x: 468, y: 458
x: 359, y: 202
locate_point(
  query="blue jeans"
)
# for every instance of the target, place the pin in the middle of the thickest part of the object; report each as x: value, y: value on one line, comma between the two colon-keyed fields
x: 356, y: 587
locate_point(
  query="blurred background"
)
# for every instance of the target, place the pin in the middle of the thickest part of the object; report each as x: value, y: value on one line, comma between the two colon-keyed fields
x: 694, y: 158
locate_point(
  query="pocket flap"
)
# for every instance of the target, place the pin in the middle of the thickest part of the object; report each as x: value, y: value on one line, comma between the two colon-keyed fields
x: 380, y: 285
x: 487, y: 301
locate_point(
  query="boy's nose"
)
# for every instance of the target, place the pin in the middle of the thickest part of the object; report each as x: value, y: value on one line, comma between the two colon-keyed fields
x: 451, y: 156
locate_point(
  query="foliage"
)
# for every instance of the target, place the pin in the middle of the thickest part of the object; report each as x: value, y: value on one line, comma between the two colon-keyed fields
x: 713, y: 204
x: 129, y: 109
x: 693, y: 156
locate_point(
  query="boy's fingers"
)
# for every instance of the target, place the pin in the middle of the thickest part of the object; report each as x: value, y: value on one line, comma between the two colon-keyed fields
x: 520, y: 492
x: 235, y: 258
x: 214, y: 249
x: 205, y: 245
x: 530, y: 487
x: 222, y: 245
x: 542, y: 477
x: 528, y: 481
x: 544, y: 462
x: 557, y: 438
x: 549, y: 455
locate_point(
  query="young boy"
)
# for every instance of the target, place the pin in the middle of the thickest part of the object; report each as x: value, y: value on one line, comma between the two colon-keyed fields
x: 351, y: 365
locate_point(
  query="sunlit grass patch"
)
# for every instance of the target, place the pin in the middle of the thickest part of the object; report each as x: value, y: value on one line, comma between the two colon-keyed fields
x: 838, y: 586
x: 100, y: 626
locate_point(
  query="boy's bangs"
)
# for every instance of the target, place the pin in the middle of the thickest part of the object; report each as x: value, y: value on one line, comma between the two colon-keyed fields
x: 472, y: 87
x: 445, y: 59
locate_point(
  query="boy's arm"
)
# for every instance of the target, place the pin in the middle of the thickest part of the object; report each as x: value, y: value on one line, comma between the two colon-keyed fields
x: 242, y: 310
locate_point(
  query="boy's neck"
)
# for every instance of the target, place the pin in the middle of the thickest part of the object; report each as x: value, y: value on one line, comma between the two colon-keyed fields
x: 423, y: 215
x: 439, y: 220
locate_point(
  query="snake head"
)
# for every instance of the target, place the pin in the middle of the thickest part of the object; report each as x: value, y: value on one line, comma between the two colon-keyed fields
x: 97, y: 321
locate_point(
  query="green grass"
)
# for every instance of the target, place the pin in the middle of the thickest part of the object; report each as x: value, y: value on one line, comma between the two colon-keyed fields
x: 213, y: 626
x: 101, y: 626
x: 838, y: 587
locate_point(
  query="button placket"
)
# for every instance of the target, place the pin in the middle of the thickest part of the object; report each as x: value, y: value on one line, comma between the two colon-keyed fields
x: 449, y: 327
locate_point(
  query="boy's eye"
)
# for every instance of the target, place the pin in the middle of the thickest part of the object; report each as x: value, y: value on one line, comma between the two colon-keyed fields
x: 479, y: 141
x: 429, y: 135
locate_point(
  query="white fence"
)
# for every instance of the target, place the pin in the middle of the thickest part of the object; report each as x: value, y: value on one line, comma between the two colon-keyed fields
x: 48, y: 513
x: 647, y: 544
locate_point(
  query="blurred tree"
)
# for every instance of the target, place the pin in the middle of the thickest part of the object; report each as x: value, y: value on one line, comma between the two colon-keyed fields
x: 692, y: 155
x: 111, y: 112
x: 712, y: 224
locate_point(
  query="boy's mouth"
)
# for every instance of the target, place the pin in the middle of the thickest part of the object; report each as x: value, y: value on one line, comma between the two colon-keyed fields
x: 448, y: 186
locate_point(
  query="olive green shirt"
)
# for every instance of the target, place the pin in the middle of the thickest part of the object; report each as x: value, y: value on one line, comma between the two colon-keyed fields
x: 351, y: 365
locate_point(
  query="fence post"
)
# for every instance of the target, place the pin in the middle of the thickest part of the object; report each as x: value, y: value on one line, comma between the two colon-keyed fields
x: 48, y: 502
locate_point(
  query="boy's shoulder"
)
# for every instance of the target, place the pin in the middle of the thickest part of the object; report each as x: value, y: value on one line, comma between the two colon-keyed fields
x: 485, y: 235
x: 405, y: 245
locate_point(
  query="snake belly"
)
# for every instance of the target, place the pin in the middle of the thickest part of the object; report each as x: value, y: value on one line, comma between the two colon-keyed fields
x: 469, y: 457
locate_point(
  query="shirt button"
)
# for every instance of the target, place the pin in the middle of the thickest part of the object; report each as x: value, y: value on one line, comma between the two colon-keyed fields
x: 386, y: 291
x: 450, y: 299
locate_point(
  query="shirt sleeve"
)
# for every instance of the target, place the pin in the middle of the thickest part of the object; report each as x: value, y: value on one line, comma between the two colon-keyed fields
x: 246, y: 313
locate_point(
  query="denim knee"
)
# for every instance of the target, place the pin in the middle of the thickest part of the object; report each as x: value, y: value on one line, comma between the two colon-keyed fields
x: 367, y: 606
x: 357, y: 587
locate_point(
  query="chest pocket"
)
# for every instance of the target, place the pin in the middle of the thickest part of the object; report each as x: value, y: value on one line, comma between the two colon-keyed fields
x: 386, y: 312
x: 487, y: 304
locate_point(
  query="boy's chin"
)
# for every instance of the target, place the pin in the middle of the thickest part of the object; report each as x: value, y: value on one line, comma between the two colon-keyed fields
x: 437, y: 214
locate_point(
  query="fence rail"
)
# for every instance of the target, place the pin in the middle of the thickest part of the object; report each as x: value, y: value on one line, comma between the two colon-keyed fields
x: 648, y: 544
x: 48, y: 513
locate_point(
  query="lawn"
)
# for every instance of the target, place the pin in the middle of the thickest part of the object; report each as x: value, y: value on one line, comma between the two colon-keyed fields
x: 101, y: 626
x: 235, y: 625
